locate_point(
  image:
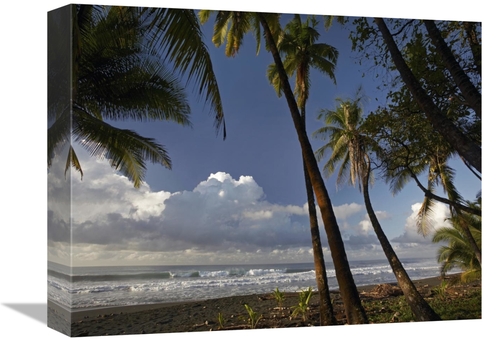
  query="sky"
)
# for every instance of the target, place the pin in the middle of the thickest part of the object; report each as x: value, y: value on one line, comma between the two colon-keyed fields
x: 239, y: 200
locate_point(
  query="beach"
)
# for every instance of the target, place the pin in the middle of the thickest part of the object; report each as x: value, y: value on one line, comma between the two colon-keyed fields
x: 203, y: 315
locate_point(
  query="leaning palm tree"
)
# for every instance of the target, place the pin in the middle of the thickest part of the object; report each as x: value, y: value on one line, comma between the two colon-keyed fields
x: 117, y: 74
x: 301, y: 53
x: 400, y: 170
x: 350, y: 149
x: 441, y: 173
x: 227, y: 25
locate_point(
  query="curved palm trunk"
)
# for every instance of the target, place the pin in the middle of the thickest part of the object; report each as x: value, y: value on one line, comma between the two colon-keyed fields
x: 469, y: 150
x: 457, y: 206
x: 355, y: 313
x: 475, y: 46
x: 419, y: 307
x: 469, y: 91
x: 326, y: 315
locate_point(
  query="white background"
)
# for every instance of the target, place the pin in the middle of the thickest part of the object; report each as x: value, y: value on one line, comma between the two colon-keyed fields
x: 23, y: 159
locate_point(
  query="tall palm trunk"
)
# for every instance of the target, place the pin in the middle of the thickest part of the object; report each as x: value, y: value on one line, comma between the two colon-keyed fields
x: 355, y: 313
x: 419, y: 307
x: 475, y: 46
x: 327, y: 317
x: 469, y: 91
x: 469, y: 150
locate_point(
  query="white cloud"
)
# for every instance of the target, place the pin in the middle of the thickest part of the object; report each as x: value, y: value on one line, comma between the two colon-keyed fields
x: 365, y: 226
x: 113, y: 221
x: 344, y: 211
x: 223, y: 219
x: 438, y: 216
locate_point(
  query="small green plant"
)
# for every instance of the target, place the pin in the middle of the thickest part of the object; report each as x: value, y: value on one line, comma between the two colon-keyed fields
x: 253, y: 317
x: 221, y: 320
x: 303, y: 305
x: 279, y: 296
x: 440, y: 290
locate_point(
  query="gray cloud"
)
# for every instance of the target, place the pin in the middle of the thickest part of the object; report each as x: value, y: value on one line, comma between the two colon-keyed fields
x: 222, y: 219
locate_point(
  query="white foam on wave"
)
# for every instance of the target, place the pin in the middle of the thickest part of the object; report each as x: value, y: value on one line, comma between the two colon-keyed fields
x: 186, y: 284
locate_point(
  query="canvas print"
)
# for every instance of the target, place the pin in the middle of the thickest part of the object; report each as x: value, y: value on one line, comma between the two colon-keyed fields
x: 213, y: 170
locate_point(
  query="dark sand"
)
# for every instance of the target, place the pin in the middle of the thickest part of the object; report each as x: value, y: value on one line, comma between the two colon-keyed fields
x: 203, y: 315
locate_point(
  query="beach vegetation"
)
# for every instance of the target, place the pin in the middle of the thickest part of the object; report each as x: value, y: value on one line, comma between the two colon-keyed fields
x: 220, y: 320
x: 279, y: 297
x: 233, y: 25
x: 253, y: 317
x: 302, y: 306
x: 440, y: 290
x: 450, y: 304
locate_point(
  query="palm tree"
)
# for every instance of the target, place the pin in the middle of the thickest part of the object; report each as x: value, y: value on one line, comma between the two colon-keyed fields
x: 301, y: 52
x: 458, y: 253
x: 402, y: 166
x: 469, y: 91
x: 350, y: 149
x: 114, y: 77
x: 226, y: 24
x: 467, y: 148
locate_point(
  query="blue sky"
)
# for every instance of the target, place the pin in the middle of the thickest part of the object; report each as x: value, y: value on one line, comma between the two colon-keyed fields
x: 240, y: 200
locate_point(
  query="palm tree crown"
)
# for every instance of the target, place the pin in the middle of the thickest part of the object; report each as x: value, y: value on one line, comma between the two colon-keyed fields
x: 458, y: 252
x: 117, y: 74
x: 345, y: 139
x: 301, y: 53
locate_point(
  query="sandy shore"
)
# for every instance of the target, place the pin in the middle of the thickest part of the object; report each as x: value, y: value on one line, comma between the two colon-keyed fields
x: 200, y: 315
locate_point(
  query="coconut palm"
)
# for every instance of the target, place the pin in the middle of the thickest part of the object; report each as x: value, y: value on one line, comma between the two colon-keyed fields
x: 458, y: 252
x: 466, y: 147
x: 226, y: 24
x: 435, y: 162
x: 301, y: 52
x: 115, y: 77
x: 350, y: 149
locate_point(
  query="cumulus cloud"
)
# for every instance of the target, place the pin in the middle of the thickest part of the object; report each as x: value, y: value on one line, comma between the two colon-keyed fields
x: 224, y: 219
x: 438, y: 217
x: 111, y: 220
x: 344, y: 211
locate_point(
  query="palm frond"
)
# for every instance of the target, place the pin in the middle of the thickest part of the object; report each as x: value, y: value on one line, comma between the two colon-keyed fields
x: 177, y: 34
x: 126, y: 150
x: 344, y: 135
x: 424, y: 221
x: 274, y: 79
x: 72, y: 161
x: 458, y: 253
x: 58, y: 134
x: 145, y: 91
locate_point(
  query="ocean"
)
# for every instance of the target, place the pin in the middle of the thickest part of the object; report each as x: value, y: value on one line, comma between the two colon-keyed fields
x: 94, y: 287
